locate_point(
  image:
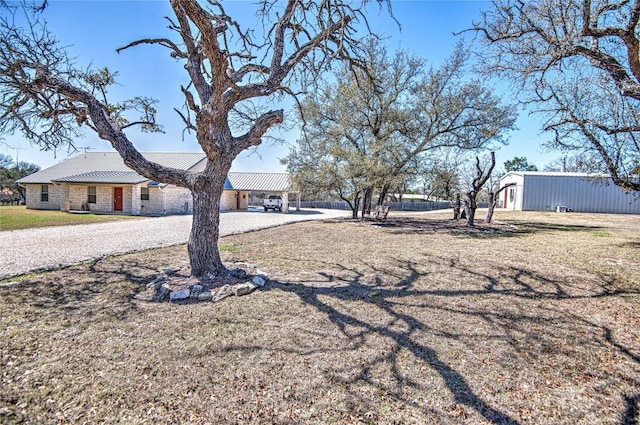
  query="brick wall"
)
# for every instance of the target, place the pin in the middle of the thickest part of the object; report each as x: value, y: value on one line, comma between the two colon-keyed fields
x: 178, y: 200
x: 156, y: 203
x: 77, y: 194
x: 229, y: 200
x: 33, y: 197
x: 166, y: 201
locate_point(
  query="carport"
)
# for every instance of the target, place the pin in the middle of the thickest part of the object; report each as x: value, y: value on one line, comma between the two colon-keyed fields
x: 239, y: 184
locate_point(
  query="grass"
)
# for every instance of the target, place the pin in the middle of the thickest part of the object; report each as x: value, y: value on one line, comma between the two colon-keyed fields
x: 413, y: 320
x: 225, y: 247
x: 19, y: 217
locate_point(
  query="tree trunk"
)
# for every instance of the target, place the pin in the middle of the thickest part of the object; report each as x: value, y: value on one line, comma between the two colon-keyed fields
x: 356, y: 206
x: 456, y: 207
x: 383, y: 194
x: 366, y: 202
x: 492, y: 205
x: 205, y: 229
x: 470, y: 207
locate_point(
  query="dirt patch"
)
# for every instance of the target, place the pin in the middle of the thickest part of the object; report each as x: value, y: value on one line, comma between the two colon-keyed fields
x: 359, y: 323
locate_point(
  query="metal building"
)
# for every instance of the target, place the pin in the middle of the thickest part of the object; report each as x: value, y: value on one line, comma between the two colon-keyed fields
x: 554, y: 191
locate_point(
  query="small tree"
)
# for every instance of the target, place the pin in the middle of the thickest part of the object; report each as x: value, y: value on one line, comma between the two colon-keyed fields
x: 480, y: 178
x: 493, y: 199
x: 48, y: 99
x: 519, y: 163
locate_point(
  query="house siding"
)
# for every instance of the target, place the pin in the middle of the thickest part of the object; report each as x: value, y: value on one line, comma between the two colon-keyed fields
x: 70, y: 197
x: 155, y: 205
x: 540, y: 192
x: 516, y: 183
x: 74, y: 195
x: 33, y: 197
x: 546, y: 193
x: 229, y: 201
x: 178, y: 200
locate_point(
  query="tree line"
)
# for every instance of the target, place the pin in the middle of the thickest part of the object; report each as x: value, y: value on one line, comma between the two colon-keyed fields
x: 373, y: 130
x: 10, y: 171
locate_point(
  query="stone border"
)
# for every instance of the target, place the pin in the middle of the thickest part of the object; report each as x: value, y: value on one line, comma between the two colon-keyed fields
x: 167, y: 288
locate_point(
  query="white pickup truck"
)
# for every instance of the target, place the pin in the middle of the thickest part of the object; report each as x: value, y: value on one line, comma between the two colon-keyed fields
x: 273, y: 202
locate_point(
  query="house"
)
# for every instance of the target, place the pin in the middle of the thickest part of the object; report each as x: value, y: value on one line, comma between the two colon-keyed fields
x: 101, y: 182
x: 558, y: 191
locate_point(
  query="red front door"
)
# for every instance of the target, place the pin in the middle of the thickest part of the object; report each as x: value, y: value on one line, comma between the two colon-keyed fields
x: 117, y: 199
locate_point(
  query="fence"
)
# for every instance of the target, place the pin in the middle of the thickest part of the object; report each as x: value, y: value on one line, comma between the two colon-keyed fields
x: 394, y: 206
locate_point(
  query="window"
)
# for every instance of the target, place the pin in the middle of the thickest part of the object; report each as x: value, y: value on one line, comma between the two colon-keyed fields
x: 91, y: 197
x: 512, y: 194
x: 144, y: 193
x: 44, y: 193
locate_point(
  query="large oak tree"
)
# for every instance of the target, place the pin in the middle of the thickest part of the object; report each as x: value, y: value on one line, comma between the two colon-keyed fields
x: 44, y: 96
x: 577, y: 62
x: 369, y: 130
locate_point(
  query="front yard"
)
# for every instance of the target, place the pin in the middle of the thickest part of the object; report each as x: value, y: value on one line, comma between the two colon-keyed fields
x: 19, y: 217
x: 412, y: 320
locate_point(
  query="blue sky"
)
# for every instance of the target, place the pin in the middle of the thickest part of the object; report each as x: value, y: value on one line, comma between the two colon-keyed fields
x: 94, y: 29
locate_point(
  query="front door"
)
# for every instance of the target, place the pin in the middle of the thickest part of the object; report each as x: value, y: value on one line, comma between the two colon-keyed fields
x: 117, y: 199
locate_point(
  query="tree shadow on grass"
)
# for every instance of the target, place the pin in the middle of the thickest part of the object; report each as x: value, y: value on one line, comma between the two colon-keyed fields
x: 397, y: 301
x: 481, y: 230
x: 633, y: 245
x: 632, y: 410
x: 454, y: 380
x: 398, y: 294
x: 91, y: 290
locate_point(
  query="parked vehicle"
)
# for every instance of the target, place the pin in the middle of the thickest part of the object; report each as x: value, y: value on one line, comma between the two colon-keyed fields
x: 273, y: 202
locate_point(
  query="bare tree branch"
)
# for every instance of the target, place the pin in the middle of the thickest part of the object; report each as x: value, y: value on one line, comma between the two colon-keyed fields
x: 577, y: 63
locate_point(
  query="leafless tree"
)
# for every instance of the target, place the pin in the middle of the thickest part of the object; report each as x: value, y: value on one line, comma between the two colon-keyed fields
x: 482, y: 174
x: 577, y: 62
x: 43, y: 95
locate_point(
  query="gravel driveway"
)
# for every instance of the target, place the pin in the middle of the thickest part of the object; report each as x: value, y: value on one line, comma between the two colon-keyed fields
x: 28, y: 250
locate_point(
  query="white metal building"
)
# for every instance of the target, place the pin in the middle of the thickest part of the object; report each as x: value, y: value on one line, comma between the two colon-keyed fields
x: 553, y: 191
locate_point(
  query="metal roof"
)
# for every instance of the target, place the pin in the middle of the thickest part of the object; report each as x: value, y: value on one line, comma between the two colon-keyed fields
x: 108, y: 167
x: 122, y: 177
x: 556, y: 174
x: 263, y: 182
x: 93, y: 164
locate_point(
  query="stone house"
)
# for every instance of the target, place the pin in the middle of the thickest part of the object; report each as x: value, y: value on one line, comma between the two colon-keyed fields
x: 102, y: 183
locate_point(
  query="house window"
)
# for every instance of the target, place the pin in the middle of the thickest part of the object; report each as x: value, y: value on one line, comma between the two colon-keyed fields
x: 44, y: 193
x: 91, y: 197
x: 144, y: 193
x: 512, y: 194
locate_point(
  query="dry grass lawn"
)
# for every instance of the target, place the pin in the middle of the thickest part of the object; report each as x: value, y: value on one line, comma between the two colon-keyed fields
x: 535, y: 320
x: 19, y: 217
